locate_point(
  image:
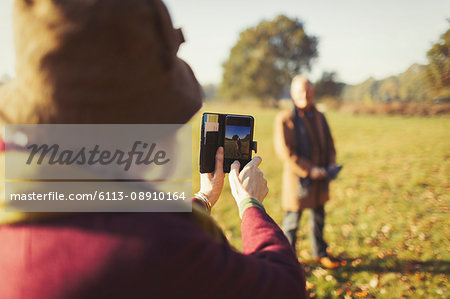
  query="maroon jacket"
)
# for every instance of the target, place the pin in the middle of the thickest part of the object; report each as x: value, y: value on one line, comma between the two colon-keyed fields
x: 145, y: 255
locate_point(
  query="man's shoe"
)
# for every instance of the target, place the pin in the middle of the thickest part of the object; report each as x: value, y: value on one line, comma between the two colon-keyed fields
x: 327, y: 262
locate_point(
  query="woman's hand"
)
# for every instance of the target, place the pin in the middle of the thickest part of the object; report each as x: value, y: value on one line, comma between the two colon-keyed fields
x: 211, y: 184
x: 249, y: 182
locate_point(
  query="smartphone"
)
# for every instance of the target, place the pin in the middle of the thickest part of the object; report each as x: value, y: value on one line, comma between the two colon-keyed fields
x: 233, y: 132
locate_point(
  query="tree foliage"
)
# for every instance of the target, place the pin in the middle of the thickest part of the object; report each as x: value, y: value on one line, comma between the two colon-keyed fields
x: 266, y: 57
x: 407, y: 86
x: 438, y: 69
x: 328, y: 85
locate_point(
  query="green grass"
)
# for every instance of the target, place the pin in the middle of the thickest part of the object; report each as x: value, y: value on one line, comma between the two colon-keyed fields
x: 388, y: 216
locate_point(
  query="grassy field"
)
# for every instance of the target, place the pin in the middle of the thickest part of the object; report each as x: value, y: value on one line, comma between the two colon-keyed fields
x: 388, y: 216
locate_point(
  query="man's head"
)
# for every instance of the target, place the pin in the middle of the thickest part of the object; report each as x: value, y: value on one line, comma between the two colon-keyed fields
x: 302, y: 92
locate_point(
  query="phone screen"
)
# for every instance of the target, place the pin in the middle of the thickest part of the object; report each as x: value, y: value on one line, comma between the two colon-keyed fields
x: 237, y: 142
x: 238, y: 137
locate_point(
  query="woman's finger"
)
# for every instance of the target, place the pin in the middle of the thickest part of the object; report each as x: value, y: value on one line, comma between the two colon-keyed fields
x: 219, y: 161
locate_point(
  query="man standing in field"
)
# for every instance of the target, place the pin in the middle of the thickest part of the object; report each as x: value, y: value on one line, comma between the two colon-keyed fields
x: 303, y: 141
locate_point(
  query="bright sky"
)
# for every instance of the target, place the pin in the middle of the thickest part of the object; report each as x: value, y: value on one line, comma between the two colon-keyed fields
x: 241, y: 131
x: 358, y: 38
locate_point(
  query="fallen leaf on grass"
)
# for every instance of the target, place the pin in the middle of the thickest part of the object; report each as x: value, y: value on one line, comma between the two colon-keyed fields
x: 386, y: 229
x: 356, y: 262
x: 419, y: 276
x: 363, y: 294
x: 348, y: 293
x: 310, y: 285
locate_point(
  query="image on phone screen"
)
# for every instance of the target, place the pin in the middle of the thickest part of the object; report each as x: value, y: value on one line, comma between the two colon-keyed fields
x: 237, y: 142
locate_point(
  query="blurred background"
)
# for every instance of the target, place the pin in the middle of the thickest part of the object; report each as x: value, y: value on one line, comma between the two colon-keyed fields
x: 382, y: 76
x: 388, y: 52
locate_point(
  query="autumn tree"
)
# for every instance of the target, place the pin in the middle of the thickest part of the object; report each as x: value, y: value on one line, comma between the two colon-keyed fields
x: 438, y: 69
x: 265, y: 59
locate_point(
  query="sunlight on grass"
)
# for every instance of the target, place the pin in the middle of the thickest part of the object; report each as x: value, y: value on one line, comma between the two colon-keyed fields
x: 388, y: 213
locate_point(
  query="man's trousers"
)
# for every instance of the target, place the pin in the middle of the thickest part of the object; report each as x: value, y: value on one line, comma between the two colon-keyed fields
x: 291, y: 223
